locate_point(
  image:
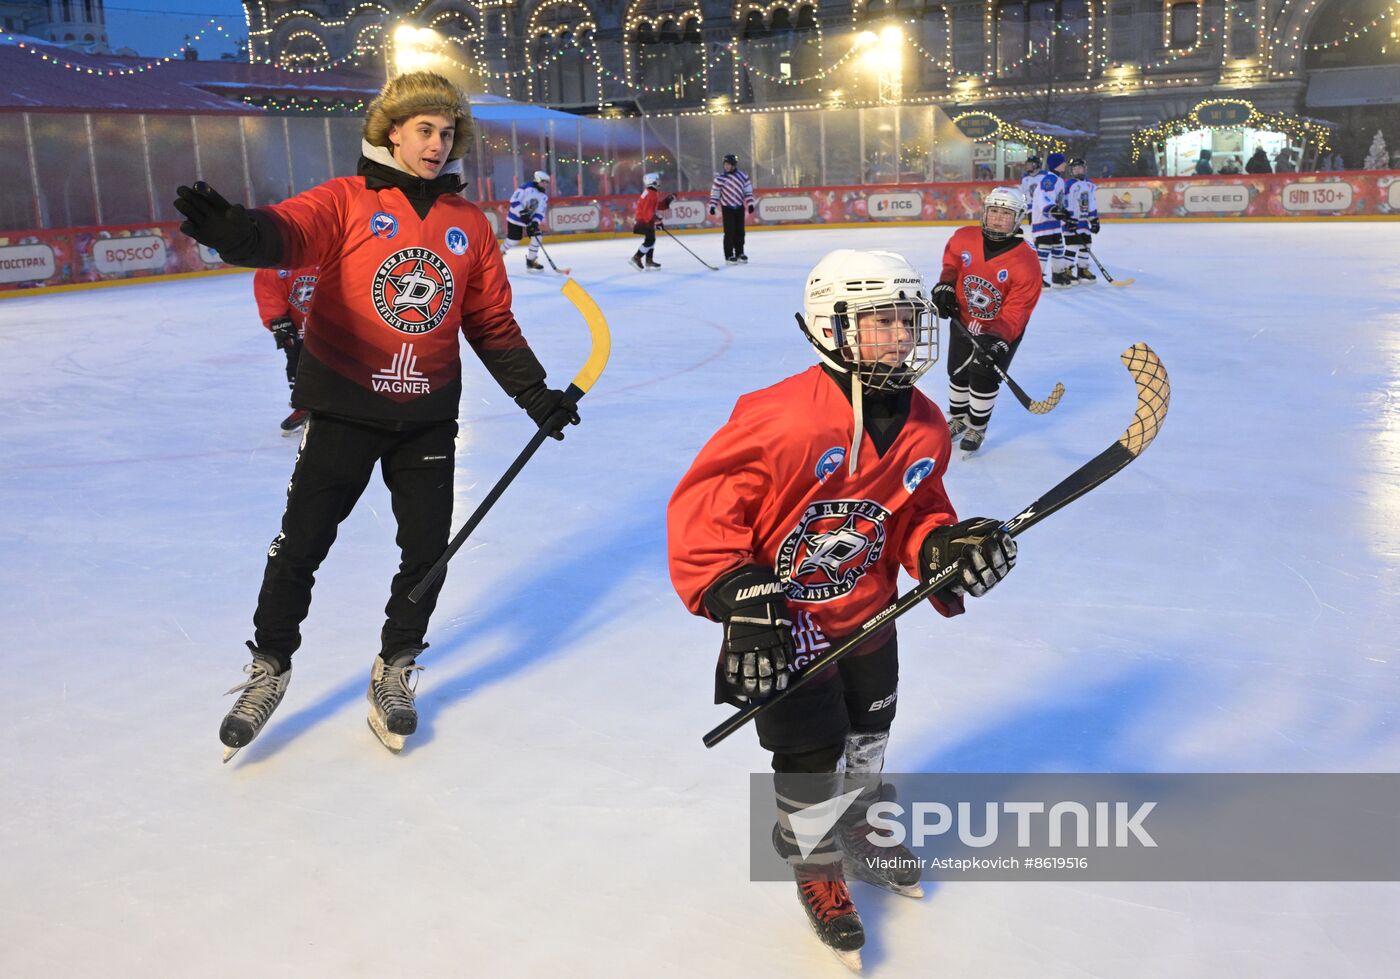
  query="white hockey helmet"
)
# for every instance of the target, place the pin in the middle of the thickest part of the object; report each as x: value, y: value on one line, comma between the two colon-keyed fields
x: 541, y: 177
x: 1010, y: 199
x: 848, y: 286
x: 651, y: 180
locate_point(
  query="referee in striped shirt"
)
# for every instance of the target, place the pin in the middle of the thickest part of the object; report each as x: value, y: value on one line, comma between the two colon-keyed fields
x: 732, y: 192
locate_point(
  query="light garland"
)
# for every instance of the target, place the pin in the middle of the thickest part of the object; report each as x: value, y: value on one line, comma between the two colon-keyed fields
x: 1016, y: 134
x: 1304, y: 129
x: 151, y: 65
x: 1387, y: 14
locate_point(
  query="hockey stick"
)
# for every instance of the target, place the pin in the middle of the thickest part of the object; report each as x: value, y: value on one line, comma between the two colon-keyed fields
x: 582, y: 383
x: 707, y: 265
x: 1153, y: 396
x: 540, y: 241
x: 1107, y: 278
x: 1034, y: 407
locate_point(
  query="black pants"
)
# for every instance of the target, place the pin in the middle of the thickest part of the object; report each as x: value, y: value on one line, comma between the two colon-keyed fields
x: 973, y: 385
x: 733, y: 231
x: 333, y: 467
x: 293, y: 351
x: 647, y: 230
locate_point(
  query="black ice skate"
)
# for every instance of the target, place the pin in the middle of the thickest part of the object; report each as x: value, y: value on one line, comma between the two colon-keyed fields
x: 1062, y: 279
x: 1086, y: 276
x: 742, y: 258
x: 293, y: 422
x: 636, y: 261
x: 533, y: 265
x: 257, y: 699
x: 652, y: 263
x: 731, y: 260
x: 972, y: 441
x: 957, y: 424
x: 893, y: 868
x: 392, y: 714
x: 830, y: 911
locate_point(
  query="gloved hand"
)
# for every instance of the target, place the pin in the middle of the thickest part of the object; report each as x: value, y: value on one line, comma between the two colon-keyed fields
x: 750, y: 208
x: 548, y: 406
x: 533, y: 230
x: 712, y: 210
x: 945, y: 300
x: 986, y: 554
x: 667, y: 202
x: 284, y: 334
x: 995, y: 349
x: 659, y: 225
x: 1093, y: 226
x: 758, y: 642
x: 1059, y: 213
x: 213, y: 221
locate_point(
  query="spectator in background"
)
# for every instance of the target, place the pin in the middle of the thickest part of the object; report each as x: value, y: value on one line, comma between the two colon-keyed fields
x: 1231, y: 165
x: 1106, y: 171
x: 1203, y: 167
x: 1283, y: 163
x: 1337, y: 162
x: 1259, y: 162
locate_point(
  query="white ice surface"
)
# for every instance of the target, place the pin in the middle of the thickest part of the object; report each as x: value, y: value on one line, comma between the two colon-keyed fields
x: 1221, y: 605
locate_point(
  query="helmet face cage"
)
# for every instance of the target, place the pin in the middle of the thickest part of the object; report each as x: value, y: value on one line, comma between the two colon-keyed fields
x: 1003, y: 198
x: 887, y: 343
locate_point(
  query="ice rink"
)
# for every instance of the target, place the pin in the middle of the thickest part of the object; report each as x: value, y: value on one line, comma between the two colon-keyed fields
x: 1221, y: 605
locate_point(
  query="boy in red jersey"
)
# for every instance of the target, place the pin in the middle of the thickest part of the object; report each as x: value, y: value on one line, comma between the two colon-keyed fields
x: 404, y: 264
x: 284, y: 300
x: 648, y: 220
x: 790, y: 529
x: 990, y: 283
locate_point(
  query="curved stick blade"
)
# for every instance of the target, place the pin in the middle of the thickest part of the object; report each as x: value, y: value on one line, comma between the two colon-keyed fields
x: 1048, y: 405
x: 1154, y: 392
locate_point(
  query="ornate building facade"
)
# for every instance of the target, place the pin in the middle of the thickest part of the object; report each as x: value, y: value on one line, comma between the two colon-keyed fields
x: 1104, y: 67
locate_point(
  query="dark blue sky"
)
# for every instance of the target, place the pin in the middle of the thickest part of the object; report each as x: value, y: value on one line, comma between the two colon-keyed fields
x: 158, y: 27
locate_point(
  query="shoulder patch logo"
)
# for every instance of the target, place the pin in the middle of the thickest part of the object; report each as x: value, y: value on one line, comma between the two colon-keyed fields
x: 917, y: 473
x: 383, y: 225
x: 456, y: 240
x: 830, y: 462
x: 413, y: 290
x: 282, y: 273
x: 1001, y: 275
x: 966, y: 258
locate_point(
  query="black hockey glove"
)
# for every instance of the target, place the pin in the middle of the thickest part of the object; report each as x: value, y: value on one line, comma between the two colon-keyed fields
x: 1059, y: 213
x: 533, y: 230
x: 757, y: 631
x: 547, y: 406
x: 985, y: 552
x: 945, y: 300
x: 1093, y: 226
x: 659, y: 226
x: 994, y: 349
x: 712, y: 210
x: 215, y: 223
x: 667, y: 202
x: 283, y: 333
x: 750, y: 208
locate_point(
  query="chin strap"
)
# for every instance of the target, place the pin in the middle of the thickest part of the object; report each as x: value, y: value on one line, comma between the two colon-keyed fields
x: 858, y: 416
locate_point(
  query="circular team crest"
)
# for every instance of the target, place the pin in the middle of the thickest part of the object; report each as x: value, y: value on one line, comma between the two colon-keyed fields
x: 383, y: 225
x: 917, y: 473
x: 830, y: 548
x: 456, y: 240
x: 299, y: 296
x: 983, y: 299
x: 830, y: 462
x: 413, y: 290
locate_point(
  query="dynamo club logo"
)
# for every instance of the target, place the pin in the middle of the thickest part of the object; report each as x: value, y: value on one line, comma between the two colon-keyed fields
x: 383, y: 225
x: 983, y: 299
x: 830, y: 462
x: 917, y: 473
x: 831, y: 547
x: 412, y: 290
x: 456, y: 241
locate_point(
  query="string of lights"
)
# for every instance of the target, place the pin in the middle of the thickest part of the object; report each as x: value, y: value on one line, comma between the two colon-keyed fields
x: 178, y: 55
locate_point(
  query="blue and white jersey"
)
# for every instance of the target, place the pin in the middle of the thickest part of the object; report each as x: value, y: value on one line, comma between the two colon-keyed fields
x: 1081, y: 200
x: 1028, y: 183
x: 1049, y: 192
x: 527, y: 204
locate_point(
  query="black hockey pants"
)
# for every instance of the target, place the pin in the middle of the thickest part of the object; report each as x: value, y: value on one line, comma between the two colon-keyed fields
x: 733, y: 231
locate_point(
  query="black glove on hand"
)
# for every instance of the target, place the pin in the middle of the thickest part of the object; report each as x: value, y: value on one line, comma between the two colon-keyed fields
x: 659, y: 225
x: 283, y: 333
x: 667, y: 202
x: 985, y: 552
x: 996, y: 350
x: 214, y: 222
x: 757, y: 631
x: 1093, y: 226
x: 945, y: 300
x: 1059, y: 213
x: 712, y: 211
x: 533, y: 230
x: 547, y: 405
x: 750, y: 208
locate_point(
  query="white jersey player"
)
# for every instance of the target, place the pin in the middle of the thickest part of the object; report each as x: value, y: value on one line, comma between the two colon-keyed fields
x: 1081, y: 200
x: 1030, y: 179
x: 1047, y: 210
x: 528, y: 208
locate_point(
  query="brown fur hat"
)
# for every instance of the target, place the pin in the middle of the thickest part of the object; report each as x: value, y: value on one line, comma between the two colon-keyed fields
x: 418, y: 93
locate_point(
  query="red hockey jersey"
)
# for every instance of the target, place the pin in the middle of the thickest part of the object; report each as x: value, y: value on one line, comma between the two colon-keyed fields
x: 771, y: 488
x: 284, y: 293
x: 391, y: 294
x: 995, y: 295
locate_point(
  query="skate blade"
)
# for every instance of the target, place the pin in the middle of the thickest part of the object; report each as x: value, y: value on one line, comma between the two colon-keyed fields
x: 394, y: 742
x: 850, y: 960
x: 291, y: 433
x: 229, y: 753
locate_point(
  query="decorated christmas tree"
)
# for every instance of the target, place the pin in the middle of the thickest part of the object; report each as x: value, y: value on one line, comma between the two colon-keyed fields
x: 1378, y: 157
